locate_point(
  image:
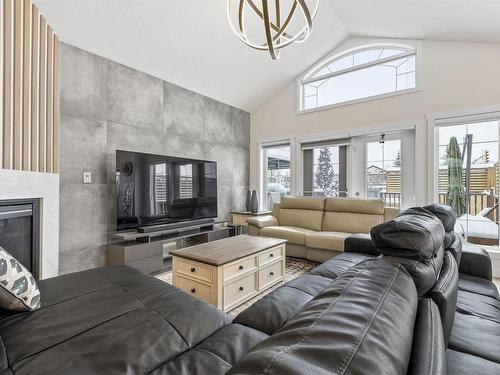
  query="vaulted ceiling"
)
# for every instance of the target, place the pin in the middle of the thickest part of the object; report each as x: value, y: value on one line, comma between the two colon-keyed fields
x: 189, y: 42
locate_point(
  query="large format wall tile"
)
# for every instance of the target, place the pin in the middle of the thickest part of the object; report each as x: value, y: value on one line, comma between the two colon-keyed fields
x: 183, y: 112
x: 108, y: 106
x: 134, y: 98
x: 83, y: 84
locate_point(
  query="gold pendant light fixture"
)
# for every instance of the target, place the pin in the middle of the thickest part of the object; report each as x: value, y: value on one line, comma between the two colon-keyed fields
x: 289, y: 21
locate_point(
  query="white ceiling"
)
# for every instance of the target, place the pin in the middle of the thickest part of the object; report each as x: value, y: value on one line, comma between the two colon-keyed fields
x: 189, y: 42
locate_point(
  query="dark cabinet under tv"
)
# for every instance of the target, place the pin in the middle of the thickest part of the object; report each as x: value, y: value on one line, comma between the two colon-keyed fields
x: 148, y: 252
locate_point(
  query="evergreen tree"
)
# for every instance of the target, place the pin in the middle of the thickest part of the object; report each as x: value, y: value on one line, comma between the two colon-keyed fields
x: 325, y: 173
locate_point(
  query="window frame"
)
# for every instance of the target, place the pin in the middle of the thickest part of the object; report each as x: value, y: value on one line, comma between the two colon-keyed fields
x: 409, y: 49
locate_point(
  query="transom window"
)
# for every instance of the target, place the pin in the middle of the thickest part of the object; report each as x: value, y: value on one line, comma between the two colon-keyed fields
x: 359, y: 74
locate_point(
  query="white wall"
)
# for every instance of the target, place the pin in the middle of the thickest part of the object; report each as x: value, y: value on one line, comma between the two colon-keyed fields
x: 455, y: 76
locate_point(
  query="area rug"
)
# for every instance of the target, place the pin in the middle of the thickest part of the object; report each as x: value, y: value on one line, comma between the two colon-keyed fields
x: 294, y: 268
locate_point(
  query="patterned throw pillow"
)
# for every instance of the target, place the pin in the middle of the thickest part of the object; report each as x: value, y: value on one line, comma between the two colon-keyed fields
x: 18, y: 289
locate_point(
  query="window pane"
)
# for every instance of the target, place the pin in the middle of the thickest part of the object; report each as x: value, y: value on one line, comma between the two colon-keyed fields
x: 383, y: 171
x: 387, y: 77
x: 326, y: 171
x: 276, y: 175
x: 364, y: 57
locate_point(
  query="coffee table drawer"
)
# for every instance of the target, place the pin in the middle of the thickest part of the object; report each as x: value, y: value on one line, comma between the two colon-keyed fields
x: 239, y: 268
x: 195, y: 270
x: 240, y: 290
x: 270, y: 274
x: 271, y: 255
x: 195, y: 288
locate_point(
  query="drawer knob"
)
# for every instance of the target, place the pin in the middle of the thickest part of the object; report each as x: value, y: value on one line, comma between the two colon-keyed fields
x: 193, y: 269
x: 271, y: 273
x: 271, y: 255
x: 240, y: 267
x: 193, y: 290
x: 241, y: 289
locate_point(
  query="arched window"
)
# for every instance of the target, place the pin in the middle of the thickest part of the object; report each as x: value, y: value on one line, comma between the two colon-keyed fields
x: 361, y: 73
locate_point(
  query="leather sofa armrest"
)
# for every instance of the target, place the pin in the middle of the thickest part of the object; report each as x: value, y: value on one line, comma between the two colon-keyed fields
x: 476, y: 262
x: 360, y: 243
x: 263, y: 221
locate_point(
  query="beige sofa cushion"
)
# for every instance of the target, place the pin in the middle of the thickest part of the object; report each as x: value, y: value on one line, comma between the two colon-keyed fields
x: 303, y: 203
x: 355, y: 205
x: 326, y: 240
x: 350, y: 222
x: 309, y: 219
x: 294, y: 235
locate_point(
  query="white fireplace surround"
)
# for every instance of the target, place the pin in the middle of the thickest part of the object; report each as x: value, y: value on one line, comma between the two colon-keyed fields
x: 44, y: 186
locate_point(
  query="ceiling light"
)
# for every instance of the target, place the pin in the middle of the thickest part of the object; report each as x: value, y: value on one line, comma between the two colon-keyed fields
x: 268, y: 27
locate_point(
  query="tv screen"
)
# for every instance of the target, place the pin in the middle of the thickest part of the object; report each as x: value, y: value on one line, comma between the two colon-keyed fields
x: 157, y: 189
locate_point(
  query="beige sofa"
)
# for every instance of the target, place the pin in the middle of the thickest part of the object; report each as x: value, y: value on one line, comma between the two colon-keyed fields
x: 317, y: 227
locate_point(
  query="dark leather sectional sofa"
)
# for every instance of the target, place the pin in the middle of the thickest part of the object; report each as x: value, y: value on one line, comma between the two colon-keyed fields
x: 413, y: 310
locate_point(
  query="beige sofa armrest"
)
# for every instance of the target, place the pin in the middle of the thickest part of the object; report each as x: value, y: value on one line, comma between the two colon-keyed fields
x: 263, y: 221
x: 390, y: 213
x: 276, y: 210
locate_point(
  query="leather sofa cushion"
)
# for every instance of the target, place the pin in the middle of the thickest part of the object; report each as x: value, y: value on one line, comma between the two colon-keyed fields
x: 272, y: 311
x: 326, y: 240
x: 474, y: 284
x: 444, y: 293
x: 476, y: 262
x: 309, y: 219
x: 294, y: 235
x: 425, y: 272
x: 303, y: 203
x: 458, y: 363
x: 344, y: 329
x: 444, y: 213
x: 415, y: 233
x: 139, y: 322
x: 216, y: 354
x: 360, y: 243
x: 354, y: 205
x: 336, y: 266
x: 476, y: 336
x: 350, y: 222
x: 453, y: 244
x: 484, y: 307
x: 428, y: 351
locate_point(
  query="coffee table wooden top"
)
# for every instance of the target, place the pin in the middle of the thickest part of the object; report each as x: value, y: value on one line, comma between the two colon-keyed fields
x: 217, y: 253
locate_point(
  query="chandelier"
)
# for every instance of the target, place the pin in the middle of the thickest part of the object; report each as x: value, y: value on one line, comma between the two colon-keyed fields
x: 285, y: 22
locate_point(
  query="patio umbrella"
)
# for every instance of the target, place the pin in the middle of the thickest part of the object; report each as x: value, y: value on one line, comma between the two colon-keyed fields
x: 456, y: 194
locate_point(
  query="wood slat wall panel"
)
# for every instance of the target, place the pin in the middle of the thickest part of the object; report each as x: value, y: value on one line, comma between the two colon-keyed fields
x: 50, y: 98
x: 26, y: 89
x: 35, y: 29
x: 18, y: 83
x: 42, y: 91
x: 57, y: 105
x: 29, y: 89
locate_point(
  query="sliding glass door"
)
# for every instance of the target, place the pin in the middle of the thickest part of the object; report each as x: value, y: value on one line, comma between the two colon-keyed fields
x: 468, y: 176
x: 384, y: 168
x: 276, y: 176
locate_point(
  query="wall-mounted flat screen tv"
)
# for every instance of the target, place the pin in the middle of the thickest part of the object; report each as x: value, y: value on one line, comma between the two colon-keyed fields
x: 159, y: 189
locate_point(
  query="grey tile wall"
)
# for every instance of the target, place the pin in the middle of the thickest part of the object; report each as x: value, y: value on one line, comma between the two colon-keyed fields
x: 106, y: 106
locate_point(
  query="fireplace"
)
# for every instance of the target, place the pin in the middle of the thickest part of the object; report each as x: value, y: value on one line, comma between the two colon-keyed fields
x: 20, y: 231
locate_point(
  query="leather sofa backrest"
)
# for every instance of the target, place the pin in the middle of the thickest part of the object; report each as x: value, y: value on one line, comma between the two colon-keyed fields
x: 444, y: 213
x: 362, y: 321
x: 352, y: 215
x: 303, y: 212
x: 445, y: 292
x: 428, y: 355
x: 415, y: 240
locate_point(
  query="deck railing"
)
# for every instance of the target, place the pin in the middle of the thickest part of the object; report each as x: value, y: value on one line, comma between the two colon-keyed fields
x: 391, y: 199
x: 477, y: 203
